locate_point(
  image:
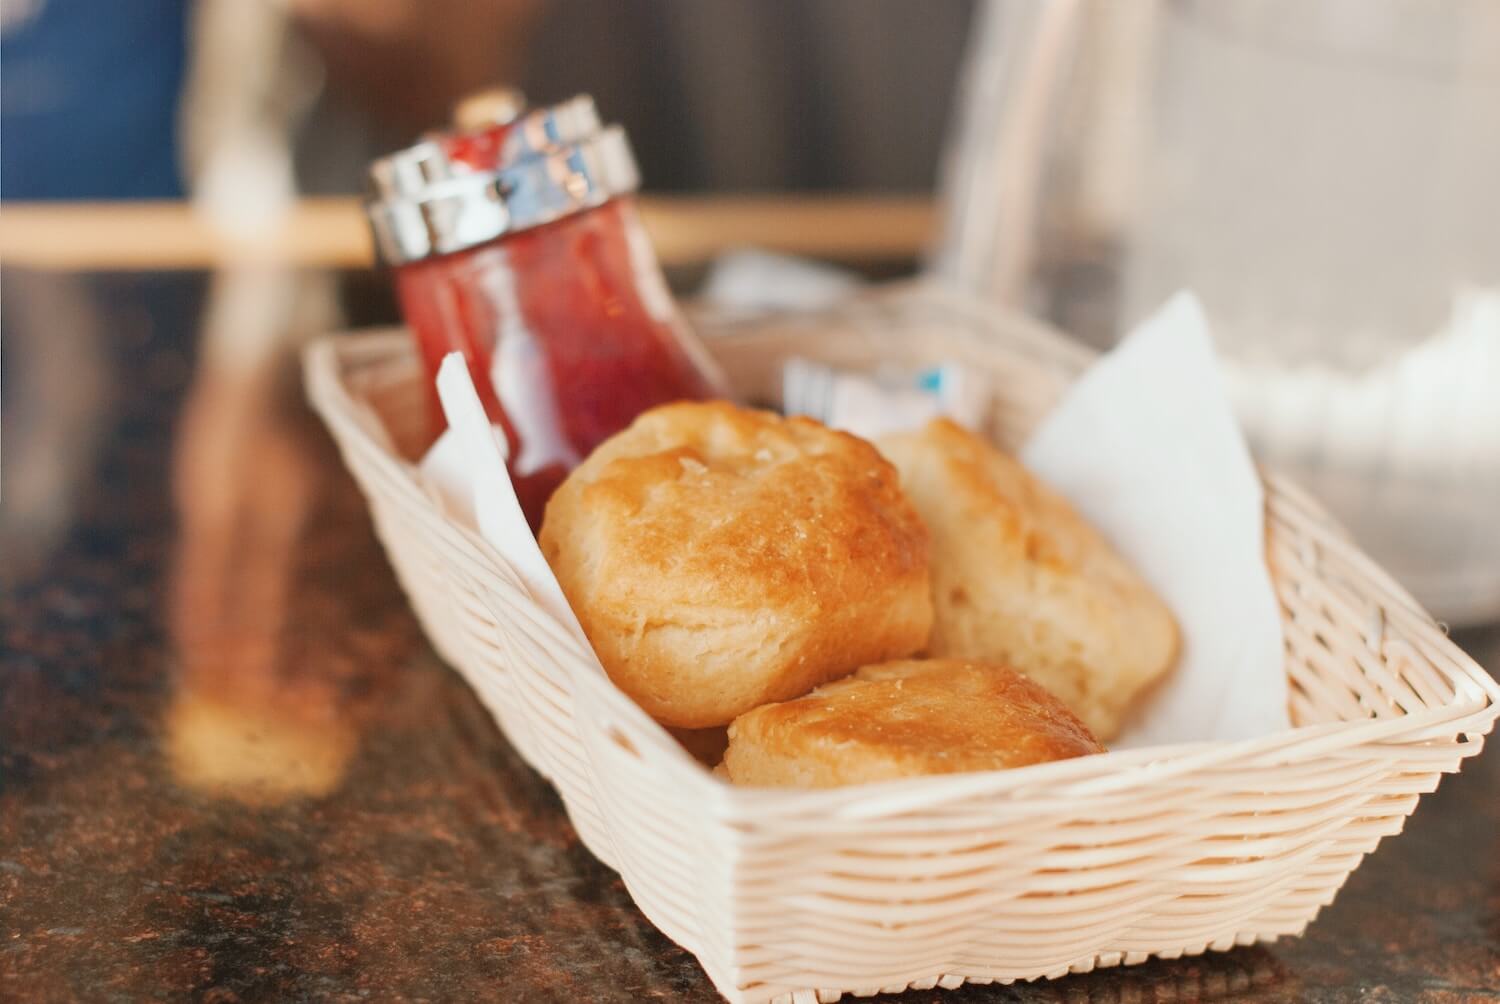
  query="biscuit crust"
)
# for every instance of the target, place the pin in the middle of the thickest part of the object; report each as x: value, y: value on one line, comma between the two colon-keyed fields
x: 719, y: 558
x: 904, y: 719
x: 1019, y: 577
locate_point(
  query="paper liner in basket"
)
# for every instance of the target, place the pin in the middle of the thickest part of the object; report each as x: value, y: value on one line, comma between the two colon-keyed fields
x: 491, y: 498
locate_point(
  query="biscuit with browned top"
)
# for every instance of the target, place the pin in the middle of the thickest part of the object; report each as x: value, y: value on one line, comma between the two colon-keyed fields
x: 719, y: 558
x: 1020, y: 578
x: 904, y: 719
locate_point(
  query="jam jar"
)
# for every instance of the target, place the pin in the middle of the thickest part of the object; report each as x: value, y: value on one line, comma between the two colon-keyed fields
x: 541, y: 275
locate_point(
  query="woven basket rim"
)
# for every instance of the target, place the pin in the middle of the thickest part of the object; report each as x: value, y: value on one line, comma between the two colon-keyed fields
x: 1471, y: 711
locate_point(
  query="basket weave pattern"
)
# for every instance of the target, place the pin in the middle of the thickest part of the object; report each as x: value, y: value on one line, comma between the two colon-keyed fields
x: 1008, y: 875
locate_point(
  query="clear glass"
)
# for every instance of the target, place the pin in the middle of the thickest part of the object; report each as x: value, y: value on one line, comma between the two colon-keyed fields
x: 569, y: 333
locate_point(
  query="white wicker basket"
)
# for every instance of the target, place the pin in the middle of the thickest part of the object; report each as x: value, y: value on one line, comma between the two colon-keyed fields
x: 1000, y: 876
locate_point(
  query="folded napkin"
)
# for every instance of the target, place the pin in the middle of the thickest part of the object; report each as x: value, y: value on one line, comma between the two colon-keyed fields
x: 1146, y: 446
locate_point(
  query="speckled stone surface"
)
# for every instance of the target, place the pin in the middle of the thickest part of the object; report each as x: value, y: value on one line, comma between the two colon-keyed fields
x: 231, y: 768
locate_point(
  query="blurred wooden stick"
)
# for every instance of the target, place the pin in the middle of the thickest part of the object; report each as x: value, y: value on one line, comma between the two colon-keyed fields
x: 330, y: 233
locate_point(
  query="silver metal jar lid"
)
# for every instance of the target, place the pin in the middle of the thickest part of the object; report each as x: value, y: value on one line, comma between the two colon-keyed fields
x: 455, y: 211
x: 546, y: 129
x: 409, y: 173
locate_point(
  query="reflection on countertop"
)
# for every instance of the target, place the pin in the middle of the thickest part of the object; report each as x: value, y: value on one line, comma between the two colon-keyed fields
x: 250, y: 718
x: 231, y: 768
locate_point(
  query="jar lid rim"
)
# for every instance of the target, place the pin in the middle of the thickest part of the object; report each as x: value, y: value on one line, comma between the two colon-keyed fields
x: 462, y: 210
x: 408, y: 173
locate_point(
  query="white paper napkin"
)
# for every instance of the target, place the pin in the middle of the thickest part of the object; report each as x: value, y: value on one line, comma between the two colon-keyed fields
x: 1146, y: 446
x: 466, y: 470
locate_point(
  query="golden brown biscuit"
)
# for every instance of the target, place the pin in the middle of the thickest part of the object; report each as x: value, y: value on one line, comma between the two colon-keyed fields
x: 1019, y: 577
x: 904, y: 719
x: 719, y: 558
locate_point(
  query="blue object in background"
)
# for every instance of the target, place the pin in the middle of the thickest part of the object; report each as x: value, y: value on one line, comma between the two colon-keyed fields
x: 88, y: 98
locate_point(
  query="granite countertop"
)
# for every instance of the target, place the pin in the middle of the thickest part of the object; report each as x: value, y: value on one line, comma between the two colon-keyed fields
x: 232, y: 769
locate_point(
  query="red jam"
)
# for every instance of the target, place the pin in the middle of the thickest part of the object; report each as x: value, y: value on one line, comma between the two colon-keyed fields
x: 569, y: 334
x: 480, y: 149
x: 482, y: 122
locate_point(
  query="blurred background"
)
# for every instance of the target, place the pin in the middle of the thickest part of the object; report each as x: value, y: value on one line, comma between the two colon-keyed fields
x: 107, y: 100
x: 1321, y: 173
